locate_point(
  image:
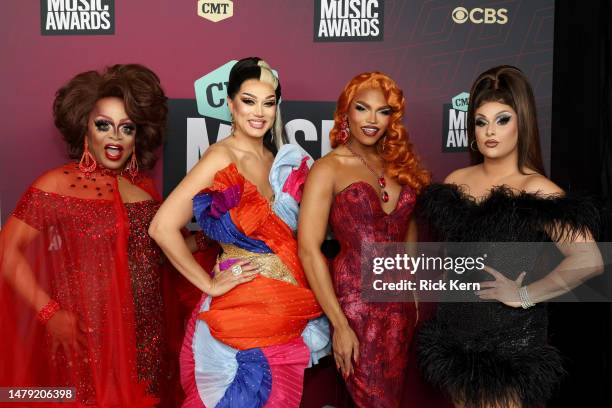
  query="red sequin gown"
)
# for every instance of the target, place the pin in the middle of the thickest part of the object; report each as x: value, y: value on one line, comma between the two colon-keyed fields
x: 91, y: 253
x: 384, y: 330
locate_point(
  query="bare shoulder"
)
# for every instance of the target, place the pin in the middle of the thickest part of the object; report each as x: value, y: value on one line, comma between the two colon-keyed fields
x: 537, y: 183
x: 324, y: 168
x: 461, y: 176
x: 217, y: 156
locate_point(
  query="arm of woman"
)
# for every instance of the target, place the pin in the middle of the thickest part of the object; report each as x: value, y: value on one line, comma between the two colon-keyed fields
x: 177, y: 211
x: 14, y: 239
x: 312, y: 227
x: 582, y: 261
x: 66, y: 330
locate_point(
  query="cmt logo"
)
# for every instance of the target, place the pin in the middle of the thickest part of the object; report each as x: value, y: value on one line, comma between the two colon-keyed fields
x: 478, y: 15
x: 215, y: 10
x: 211, y: 92
x: 454, y: 131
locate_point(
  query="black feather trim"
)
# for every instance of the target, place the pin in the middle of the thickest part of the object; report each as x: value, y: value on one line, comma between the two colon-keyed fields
x: 488, y: 376
x: 507, y: 216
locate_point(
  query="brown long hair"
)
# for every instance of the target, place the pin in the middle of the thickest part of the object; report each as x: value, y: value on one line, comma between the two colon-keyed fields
x: 141, y: 92
x: 508, y: 85
x: 395, y: 148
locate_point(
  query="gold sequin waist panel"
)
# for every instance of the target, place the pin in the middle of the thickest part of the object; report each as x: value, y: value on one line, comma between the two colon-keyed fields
x: 270, y: 265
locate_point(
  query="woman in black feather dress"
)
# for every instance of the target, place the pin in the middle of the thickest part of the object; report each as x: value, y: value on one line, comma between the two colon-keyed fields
x: 491, y: 350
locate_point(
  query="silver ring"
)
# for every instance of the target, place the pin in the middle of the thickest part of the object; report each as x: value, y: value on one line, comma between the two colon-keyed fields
x: 236, y: 270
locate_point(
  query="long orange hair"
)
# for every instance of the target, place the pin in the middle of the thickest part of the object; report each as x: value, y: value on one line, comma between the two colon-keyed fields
x: 400, y: 162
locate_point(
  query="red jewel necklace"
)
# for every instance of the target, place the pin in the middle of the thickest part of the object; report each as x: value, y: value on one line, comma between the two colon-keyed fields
x: 384, y: 196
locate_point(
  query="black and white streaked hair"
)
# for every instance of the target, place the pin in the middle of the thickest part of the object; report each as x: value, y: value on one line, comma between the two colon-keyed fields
x: 256, y: 68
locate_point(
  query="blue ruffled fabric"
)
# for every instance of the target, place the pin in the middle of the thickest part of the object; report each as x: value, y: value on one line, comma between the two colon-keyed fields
x: 288, y: 158
x: 220, y: 227
x: 253, y: 374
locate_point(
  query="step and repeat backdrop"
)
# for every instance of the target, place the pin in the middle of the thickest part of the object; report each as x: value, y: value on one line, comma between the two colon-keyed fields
x: 433, y: 50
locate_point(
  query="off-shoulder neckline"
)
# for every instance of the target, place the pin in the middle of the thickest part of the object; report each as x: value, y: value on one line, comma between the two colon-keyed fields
x: 502, y: 190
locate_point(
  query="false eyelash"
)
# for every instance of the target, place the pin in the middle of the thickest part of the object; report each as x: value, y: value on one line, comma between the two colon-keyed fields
x: 502, y: 120
x: 102, y: 124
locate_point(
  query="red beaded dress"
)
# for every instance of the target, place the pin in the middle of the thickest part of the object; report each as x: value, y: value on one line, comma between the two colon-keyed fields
x: 384, y: 330
x: 91, y: 253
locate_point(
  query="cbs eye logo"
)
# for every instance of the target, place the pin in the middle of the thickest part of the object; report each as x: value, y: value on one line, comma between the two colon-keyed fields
x: 478, y: 15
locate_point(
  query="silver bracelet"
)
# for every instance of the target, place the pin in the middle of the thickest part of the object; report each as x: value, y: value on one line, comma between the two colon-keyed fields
x: 526, y: 301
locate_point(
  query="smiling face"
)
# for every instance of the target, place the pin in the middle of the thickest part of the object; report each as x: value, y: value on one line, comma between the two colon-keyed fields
x: 368, y: 115
x: 496, y: 130
x: 110, y: 132
x: 253, y: 108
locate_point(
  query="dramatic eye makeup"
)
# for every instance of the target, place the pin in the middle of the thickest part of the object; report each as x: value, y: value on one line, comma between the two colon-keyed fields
x: 362, y: 108
x: 249, y: 99
x: 270, y: 102
x: 127, y: 129
x: 503, y: 118
x: 102, y: 125
x: 480, y: 122
x: 105, y: 125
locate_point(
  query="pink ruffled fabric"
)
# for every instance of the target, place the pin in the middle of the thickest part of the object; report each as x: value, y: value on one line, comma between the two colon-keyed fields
x: 187, y: 363
x: 294, y: 185
x: 287, y: 363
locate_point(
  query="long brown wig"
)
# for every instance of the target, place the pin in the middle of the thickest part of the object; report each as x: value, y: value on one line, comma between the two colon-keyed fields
x: 508, y: 85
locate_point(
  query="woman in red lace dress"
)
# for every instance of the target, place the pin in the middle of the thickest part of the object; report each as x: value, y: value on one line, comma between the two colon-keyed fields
x: 366, y: 187
x: 78, y: 269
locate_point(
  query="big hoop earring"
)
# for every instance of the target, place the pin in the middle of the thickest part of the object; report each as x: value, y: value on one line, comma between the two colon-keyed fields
x: 472, y: 146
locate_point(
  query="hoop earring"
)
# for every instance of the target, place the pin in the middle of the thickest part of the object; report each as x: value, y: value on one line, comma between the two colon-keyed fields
x: 344, y: 133
x: 87, y: 164
x: 472, y: 146
x: 133, y: 166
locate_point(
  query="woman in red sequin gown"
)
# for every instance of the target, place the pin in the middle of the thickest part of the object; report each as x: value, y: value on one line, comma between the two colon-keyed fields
x: 78, y: 269
x: 366, y: 187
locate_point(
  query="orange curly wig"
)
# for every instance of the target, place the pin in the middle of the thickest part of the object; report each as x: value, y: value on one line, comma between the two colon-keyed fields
x: 395, y: 148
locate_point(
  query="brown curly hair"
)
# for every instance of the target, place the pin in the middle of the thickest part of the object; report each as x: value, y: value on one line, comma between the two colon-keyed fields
x: 141, y: 92
x: 395, y: 148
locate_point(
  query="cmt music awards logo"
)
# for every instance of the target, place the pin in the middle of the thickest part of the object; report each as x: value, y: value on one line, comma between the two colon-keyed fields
x: 215, y: 10
x: 454, y: 132
x: 194, y: 125
x: 77, y: 17
x: 348, y: 20
x: 479, y: 15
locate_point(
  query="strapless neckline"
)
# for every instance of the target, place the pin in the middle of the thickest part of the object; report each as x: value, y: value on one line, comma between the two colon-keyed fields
x: 374, y: 195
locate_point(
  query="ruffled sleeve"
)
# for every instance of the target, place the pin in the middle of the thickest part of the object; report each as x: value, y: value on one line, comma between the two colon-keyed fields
x: 287, y: 178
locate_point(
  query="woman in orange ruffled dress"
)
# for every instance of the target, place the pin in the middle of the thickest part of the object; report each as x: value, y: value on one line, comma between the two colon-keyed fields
x: 255, y: 329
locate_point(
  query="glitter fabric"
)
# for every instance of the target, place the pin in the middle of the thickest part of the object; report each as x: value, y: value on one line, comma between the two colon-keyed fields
x: 144, y: 258
x: 269, y: 265
x: 384, y: 330
x: 91, y: 254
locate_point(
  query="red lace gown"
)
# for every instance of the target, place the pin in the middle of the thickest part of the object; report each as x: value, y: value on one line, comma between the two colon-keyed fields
x: 91, y: 253
x: 384, y: 330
